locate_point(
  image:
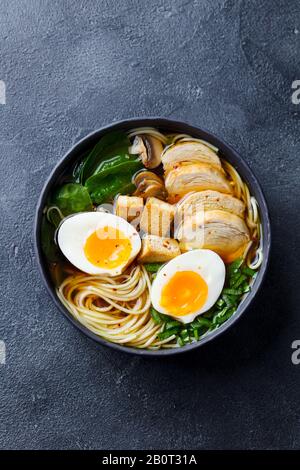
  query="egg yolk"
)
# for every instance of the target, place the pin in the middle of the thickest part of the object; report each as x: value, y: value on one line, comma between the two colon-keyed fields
x: 186, y: 292
x: 107, y: 247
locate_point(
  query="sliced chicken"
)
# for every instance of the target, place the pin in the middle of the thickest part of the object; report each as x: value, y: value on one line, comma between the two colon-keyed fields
x: 220, y: 231
x: 210, y: 200
x: 195, y: 177
x: 189, y: 152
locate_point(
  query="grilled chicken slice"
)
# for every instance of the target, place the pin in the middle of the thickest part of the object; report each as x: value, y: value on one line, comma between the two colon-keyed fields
x: 195, y: 177
x: 210, y: 200
x: 220, y: 231
x: 189, y: 152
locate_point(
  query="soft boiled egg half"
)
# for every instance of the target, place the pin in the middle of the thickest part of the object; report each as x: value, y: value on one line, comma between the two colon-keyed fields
x: 188, y: 285
x: 98, y: 243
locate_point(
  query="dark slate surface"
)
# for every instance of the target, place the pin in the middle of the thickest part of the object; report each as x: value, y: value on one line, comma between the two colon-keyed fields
x: 73, y: 66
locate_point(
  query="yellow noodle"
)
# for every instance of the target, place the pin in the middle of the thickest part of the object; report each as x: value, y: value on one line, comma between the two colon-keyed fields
x: 128, y: 295
x: 51, y: 209
x: 150, y: 131
x: 253, y: 254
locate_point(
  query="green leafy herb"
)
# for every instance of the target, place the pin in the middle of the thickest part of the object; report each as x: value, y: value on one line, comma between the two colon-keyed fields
x: 109, y: 187
x: 153, y: 267
x: 72, y: 198
x: 196, y: 333
x: 248, y: 271
x: 229, y: 300
x: 167, y: 333
x: 109, y: 176
x: 202, y: 321
x: 111, y: 145
x: 232, y: 291
x: 239, y: 280
x: 156, y: 316
x: 118, y: 164
x: 77, y: 171
x: 173, y: 324
x: 223, y: 315
x: 184, y: 334
x: 234, y: 267
x: 220, y: 303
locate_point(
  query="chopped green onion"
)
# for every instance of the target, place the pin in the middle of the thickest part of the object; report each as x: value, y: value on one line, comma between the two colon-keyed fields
x: 166, y: 318
x: 185, y: 334
x: 233, y: 278
x: 196, y: 334
x: 217, y: 318
x: 229, y: 300
x: 153, y: 267
x: 156, y: 316
x: 234, y: 267
x: 209, y: 314
x: 166, y: 334
x: 204, y: 321
x: 233, y: 291
x: 173, y: 324
x: 248, y: 271
x: 222, y: 316
x: 239, y: 281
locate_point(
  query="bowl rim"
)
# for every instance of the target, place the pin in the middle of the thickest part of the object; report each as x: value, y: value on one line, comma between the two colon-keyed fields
x: 158, y: 122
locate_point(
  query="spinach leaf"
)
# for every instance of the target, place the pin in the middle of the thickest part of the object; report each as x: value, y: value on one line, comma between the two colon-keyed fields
x: 78, y: 168
x: 71, y: 198
x: 117, y: 164
x: 109, y: 187
x: 110, y: 145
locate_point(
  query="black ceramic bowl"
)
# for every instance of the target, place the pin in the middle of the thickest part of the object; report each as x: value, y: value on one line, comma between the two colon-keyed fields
x: 173, y: 127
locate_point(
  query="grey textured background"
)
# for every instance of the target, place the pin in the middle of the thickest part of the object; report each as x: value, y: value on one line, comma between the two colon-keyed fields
x: 73, y: 66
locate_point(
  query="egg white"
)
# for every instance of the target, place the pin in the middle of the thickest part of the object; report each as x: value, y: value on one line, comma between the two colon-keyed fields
x: 74, y: 231
x: 204, y: 262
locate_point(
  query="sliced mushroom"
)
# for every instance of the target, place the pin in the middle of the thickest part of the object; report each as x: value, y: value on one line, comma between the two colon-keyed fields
x: 195, y: 177
x: 148, y: 184
x: 189, y: 152
x: 149, y: 148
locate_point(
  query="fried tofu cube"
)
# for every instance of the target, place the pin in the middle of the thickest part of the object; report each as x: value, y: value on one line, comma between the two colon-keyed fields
x: 157, y: 217
x: 129, y: 208
x: 158, y: 250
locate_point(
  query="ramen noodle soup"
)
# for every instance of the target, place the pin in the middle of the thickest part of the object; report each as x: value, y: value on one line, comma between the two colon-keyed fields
x: 152, y: 239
